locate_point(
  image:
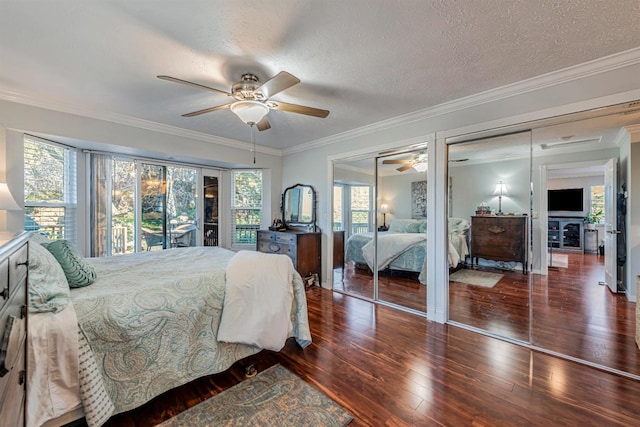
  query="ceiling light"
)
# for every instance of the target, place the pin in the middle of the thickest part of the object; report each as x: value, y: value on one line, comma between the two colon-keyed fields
x: 250, y: 112
x: 420, y: 167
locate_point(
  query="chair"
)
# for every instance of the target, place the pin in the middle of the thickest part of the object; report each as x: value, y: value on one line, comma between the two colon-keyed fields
x: 152, y: 238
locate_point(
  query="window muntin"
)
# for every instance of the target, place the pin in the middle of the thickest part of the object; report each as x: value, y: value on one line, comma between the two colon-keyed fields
x: 50, y: 189
x: 246, y: 206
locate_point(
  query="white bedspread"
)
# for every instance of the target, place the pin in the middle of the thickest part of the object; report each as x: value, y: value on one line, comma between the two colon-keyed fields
x: 257, y: 303
x: 390, y: 246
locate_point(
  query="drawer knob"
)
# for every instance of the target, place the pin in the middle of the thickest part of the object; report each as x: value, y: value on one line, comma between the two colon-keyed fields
x: 25, y: 263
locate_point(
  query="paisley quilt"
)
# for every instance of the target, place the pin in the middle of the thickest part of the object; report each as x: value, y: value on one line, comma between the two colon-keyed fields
x: 151, y: 322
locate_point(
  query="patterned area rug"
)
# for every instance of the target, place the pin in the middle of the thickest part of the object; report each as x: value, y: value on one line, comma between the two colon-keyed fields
x: 274, y: 397
x: 477, y: 278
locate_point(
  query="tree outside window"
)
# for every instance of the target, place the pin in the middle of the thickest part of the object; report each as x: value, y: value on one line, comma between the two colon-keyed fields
x: 597, y: 201
x: 246, y: 206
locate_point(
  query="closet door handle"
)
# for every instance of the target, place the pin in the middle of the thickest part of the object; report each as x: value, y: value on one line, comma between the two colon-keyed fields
x: 5, y: 293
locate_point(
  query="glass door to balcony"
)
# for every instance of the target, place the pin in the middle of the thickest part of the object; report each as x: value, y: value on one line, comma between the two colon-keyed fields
x: 210, y: 201
x: 168, y: 207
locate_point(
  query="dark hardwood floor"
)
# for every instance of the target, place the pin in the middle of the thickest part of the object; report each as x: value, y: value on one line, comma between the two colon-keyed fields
x: 569, y: 312
x: 393, y: 368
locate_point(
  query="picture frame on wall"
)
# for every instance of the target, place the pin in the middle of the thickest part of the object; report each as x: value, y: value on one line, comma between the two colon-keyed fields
x: 419, y: 200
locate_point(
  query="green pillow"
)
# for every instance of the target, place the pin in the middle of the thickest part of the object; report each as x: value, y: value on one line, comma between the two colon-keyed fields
x: 48, y: 287
x: 78, y: 272
x: 413, y: 227
x: 423, y: 227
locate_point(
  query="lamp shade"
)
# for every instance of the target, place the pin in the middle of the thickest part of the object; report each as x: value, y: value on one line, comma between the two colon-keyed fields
x: 384, y: 208
x: 501, y: 189
x: 250, y: 112
x: 7, y: 202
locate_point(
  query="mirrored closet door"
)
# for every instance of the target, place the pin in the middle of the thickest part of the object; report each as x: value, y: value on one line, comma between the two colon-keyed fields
x: 489, y: 230
x: 574, y: 178
x: 353, y: 225
x: 379, y: 227
x: 401, y: 234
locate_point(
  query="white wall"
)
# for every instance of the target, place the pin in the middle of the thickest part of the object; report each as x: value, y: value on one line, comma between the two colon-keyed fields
x: 474, y: 184
x: 395, y: 190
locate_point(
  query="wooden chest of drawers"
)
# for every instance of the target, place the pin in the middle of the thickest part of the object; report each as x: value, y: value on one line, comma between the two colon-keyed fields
x: 303, y: 248
x: 14, y: 257
x: 499, y: 238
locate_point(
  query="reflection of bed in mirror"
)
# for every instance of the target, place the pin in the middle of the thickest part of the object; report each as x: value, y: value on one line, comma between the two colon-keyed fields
x: 404, y: 246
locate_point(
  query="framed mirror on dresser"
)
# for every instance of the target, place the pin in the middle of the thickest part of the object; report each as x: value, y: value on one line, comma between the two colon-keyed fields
x: 298, y: 237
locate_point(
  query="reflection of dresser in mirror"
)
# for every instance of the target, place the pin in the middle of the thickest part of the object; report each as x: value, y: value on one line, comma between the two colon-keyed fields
x: 299, y: 241
x: 499, y: 238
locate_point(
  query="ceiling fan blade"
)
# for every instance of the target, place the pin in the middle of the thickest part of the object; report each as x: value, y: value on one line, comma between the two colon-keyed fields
x: 396, y: 162
x: 207, y: 110
x: 404, y: 168
x: 263, y: 124
x: 278, y: 83
x: 196, y: 85
x: 300, y: 109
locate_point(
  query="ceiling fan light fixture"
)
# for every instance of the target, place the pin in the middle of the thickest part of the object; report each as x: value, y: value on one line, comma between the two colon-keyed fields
x: 420, y: 166
x: 250, y: 112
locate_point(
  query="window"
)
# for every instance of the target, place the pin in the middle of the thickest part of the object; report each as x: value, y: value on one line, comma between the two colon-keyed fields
x: 597, y: 201
x: 246, y: 206
x: 166, y: 216
x: 50, y: 192
x: 337, y: 208
x: 360, y: 209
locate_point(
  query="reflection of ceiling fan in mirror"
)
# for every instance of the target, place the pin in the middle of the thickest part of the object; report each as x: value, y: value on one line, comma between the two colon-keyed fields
x: 252, y: 99
x: 418, y: 162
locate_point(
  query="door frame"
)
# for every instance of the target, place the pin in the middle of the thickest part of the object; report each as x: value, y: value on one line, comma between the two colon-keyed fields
x: 543, y: 216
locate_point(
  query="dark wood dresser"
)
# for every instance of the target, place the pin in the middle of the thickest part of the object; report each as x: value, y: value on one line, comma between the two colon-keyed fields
x: 303, y: 248
x: 338, y: 249
x: 499, y: 238
x: 14, y: 257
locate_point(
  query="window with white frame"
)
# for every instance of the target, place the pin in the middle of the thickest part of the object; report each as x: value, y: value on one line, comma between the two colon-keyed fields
x: 360, y: 201
x: 597, y: 201
x: 338, y: 211
x: 50, y: 189
x: 246, y: 206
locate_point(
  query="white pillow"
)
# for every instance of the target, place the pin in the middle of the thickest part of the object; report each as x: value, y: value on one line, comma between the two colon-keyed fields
x: 48, y: 287
x: 38, y: 238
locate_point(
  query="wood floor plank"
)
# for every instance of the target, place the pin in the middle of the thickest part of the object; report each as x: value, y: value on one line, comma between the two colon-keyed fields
x: 393, y: 368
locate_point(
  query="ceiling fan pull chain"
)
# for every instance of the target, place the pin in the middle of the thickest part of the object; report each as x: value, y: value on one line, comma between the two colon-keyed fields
x: 253, y: 139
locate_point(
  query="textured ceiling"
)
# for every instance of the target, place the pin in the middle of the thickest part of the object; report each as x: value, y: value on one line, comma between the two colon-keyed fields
x: 364, y: 60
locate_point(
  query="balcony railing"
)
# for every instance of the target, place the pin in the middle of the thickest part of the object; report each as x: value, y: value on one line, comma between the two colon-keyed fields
x: 246, y: 234
x: 358, y: 227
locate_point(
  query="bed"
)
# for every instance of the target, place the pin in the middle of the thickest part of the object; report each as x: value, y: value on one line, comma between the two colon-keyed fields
x: 151, y: 322
x: 404, y: 246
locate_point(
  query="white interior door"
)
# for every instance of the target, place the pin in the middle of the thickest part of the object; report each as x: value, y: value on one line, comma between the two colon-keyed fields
x: 610, y: 231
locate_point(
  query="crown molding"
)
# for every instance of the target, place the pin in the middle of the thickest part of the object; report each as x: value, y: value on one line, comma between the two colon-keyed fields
x: 634, y: 130
x: 21, y: 98
x: 590, y: 68
x: 554, y: 78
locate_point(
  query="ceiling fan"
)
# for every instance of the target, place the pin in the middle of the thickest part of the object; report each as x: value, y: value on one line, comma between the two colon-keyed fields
x: 418, y: 162
x: 252, y: 100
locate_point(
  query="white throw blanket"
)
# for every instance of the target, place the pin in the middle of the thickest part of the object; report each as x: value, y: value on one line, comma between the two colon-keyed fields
x: 257, y: 302
x: 390, y: 246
